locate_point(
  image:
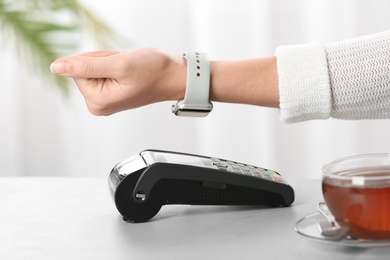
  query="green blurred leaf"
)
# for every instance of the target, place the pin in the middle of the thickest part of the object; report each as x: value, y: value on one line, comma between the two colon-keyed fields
x: 43, y: 30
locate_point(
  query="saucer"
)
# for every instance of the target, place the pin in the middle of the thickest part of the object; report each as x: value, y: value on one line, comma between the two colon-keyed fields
x: 309, y: 228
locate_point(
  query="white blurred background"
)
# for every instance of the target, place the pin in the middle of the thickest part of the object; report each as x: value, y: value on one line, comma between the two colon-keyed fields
x: 44, y: 133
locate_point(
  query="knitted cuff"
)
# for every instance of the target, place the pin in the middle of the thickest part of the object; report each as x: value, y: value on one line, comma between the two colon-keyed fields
x: 304, y: 85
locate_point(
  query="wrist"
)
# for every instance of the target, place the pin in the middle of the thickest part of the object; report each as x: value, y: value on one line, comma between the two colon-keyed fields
x: 175, y: 78
x: 196, y: 102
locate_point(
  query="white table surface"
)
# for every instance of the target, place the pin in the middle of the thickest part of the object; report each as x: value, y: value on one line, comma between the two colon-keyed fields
x: 75, y: 218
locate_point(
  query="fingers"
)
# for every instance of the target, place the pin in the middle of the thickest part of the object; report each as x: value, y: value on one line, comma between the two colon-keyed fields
x: 101, y: 53
x: 86, y: 65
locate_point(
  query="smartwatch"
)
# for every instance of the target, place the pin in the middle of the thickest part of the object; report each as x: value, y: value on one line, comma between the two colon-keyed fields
x: 196, y: 101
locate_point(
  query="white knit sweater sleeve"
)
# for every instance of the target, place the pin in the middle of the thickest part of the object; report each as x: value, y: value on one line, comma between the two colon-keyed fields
x: 345, y: 80
x: 304, y: 86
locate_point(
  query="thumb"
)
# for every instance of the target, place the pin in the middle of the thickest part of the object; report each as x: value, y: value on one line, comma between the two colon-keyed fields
x: 82, y: 67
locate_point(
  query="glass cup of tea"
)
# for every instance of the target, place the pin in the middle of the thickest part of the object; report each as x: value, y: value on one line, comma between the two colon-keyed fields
x: 357, y: 192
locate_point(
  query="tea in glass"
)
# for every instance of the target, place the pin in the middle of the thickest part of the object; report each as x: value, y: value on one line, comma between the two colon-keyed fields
x: 357, y: 192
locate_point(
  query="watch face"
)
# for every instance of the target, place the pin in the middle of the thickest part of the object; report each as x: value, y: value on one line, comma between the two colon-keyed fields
x: 192, y: 113
x: 181, y: 109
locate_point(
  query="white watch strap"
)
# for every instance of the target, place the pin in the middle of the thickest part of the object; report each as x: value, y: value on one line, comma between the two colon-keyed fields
x: 196, y: 101
x: 198, y: 78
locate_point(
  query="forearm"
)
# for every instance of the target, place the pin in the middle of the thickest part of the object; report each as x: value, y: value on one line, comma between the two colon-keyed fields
x: 252, y: 82
x: 348, y: 80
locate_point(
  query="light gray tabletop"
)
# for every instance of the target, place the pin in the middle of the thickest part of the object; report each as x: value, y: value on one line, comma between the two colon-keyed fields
x: 75, y: 218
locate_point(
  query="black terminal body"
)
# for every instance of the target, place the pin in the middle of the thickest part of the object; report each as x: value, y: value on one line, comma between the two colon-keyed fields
x: 142, y: 184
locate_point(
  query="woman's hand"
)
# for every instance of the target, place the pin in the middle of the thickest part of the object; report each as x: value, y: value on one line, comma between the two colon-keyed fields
x: 113, y: 81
